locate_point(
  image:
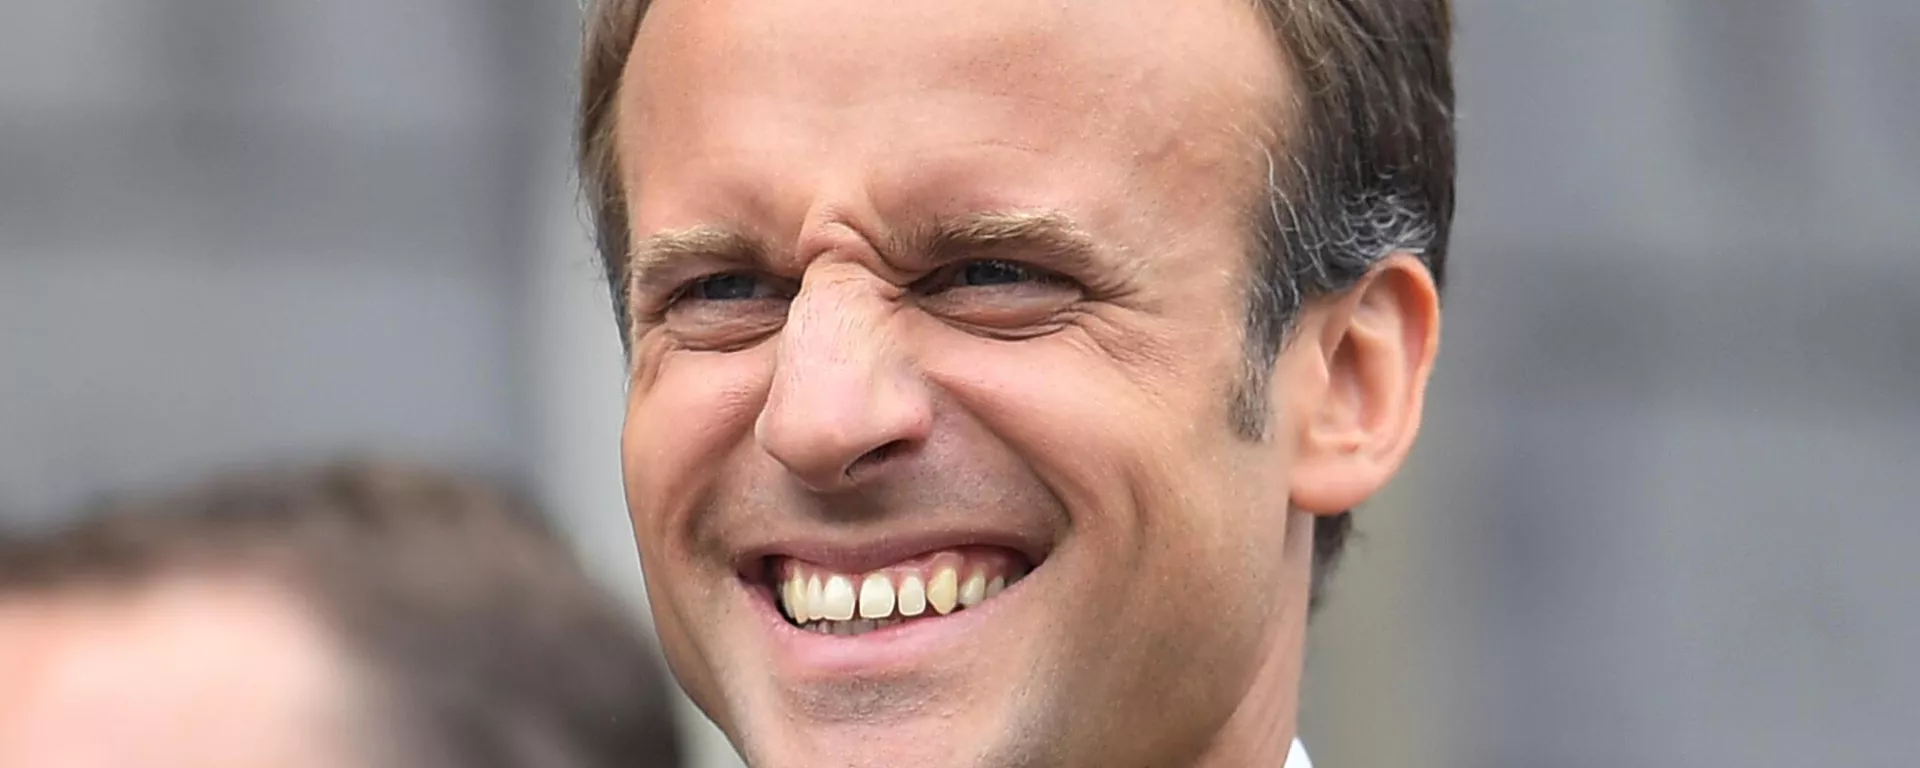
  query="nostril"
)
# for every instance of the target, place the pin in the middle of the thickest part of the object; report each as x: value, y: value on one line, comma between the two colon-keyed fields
x: 877, y: 456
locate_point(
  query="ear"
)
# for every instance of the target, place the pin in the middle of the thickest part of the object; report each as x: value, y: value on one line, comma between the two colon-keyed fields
x: 1356, y: 382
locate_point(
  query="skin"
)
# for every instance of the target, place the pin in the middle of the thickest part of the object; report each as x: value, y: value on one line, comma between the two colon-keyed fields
x: 178, y: 675
x: 852, y: 387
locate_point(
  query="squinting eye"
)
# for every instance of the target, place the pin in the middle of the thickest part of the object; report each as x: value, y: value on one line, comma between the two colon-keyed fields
x: 1000, y: 298
x: 994, y: 275
x: 729, y: 286
x: 991, y: 272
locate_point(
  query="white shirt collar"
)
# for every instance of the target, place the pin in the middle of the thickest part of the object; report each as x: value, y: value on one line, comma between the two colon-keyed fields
x: 1297, y: 757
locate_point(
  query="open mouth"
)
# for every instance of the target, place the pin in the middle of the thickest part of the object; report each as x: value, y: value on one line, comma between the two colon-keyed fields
x: 819, y: 599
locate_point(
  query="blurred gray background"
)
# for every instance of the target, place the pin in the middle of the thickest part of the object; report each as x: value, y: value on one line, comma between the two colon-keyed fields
x: 1661, y: 515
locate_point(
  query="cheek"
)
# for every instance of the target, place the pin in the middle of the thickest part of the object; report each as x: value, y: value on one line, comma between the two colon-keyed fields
x: 1133, y: 442
x: 695, y: 410
x: 1178, y: 539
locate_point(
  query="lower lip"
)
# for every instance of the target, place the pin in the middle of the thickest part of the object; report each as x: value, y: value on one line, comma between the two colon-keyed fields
x: 899, y: 648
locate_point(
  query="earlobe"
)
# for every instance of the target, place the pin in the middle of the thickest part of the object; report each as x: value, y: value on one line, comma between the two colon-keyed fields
x: 1369, y: 358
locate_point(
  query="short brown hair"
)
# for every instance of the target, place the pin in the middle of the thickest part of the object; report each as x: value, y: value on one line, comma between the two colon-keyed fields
x: 487, y: 642
x: 1368, y: 169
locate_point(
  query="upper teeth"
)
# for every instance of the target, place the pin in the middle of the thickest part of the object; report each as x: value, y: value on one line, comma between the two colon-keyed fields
x: 949, y: 581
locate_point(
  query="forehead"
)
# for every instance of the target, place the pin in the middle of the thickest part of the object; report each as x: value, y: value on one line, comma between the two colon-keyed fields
x: 914, y: 90
x: 181, y: 674
x: 849, y: 46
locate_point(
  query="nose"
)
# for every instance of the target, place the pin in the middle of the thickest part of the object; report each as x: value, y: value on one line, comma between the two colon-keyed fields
x: 846, y: 400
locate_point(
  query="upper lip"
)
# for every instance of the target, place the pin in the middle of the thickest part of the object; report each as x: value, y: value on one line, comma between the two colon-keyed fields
x: 848, y: 554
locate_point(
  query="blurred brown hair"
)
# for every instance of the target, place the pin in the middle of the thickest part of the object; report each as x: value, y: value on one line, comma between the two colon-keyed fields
x: 1362, y: 167
x: 484, y: 638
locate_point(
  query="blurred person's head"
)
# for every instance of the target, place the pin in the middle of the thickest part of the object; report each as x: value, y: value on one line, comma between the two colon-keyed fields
x: 1119, y: 306
x: 347, y: 616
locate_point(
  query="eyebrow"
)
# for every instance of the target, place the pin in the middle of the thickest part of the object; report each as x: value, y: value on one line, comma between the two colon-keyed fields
x: 1047, y: 236
x: 653, y: 260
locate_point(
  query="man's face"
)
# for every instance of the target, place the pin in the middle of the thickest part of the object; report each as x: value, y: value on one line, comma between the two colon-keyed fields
x: 187, y: 674
x: 936, y: 299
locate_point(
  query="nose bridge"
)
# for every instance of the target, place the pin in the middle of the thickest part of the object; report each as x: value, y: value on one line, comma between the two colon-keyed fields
x: 835, y: 323
x: 844, y: 393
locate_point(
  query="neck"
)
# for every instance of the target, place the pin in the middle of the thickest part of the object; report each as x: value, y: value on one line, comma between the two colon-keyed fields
x: 1261, y: 730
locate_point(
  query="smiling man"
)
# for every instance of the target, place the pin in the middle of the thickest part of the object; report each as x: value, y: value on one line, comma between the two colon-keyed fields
x: 1003, y: 372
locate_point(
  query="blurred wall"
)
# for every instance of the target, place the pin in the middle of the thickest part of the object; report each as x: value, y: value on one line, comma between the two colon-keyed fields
x: 1662, y: 513
x: 1659, y: 516
x: 232, y: 228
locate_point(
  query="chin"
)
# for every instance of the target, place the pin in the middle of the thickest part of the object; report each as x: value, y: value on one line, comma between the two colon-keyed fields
x: 882, y: 724
x: 926, y: 743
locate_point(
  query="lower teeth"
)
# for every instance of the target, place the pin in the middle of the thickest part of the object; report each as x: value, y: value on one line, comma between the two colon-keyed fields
x: 854, y: 627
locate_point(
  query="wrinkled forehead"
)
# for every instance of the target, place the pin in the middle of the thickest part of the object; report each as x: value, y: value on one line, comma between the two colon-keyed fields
x: 1138, y: 71
x: 862, y: 40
